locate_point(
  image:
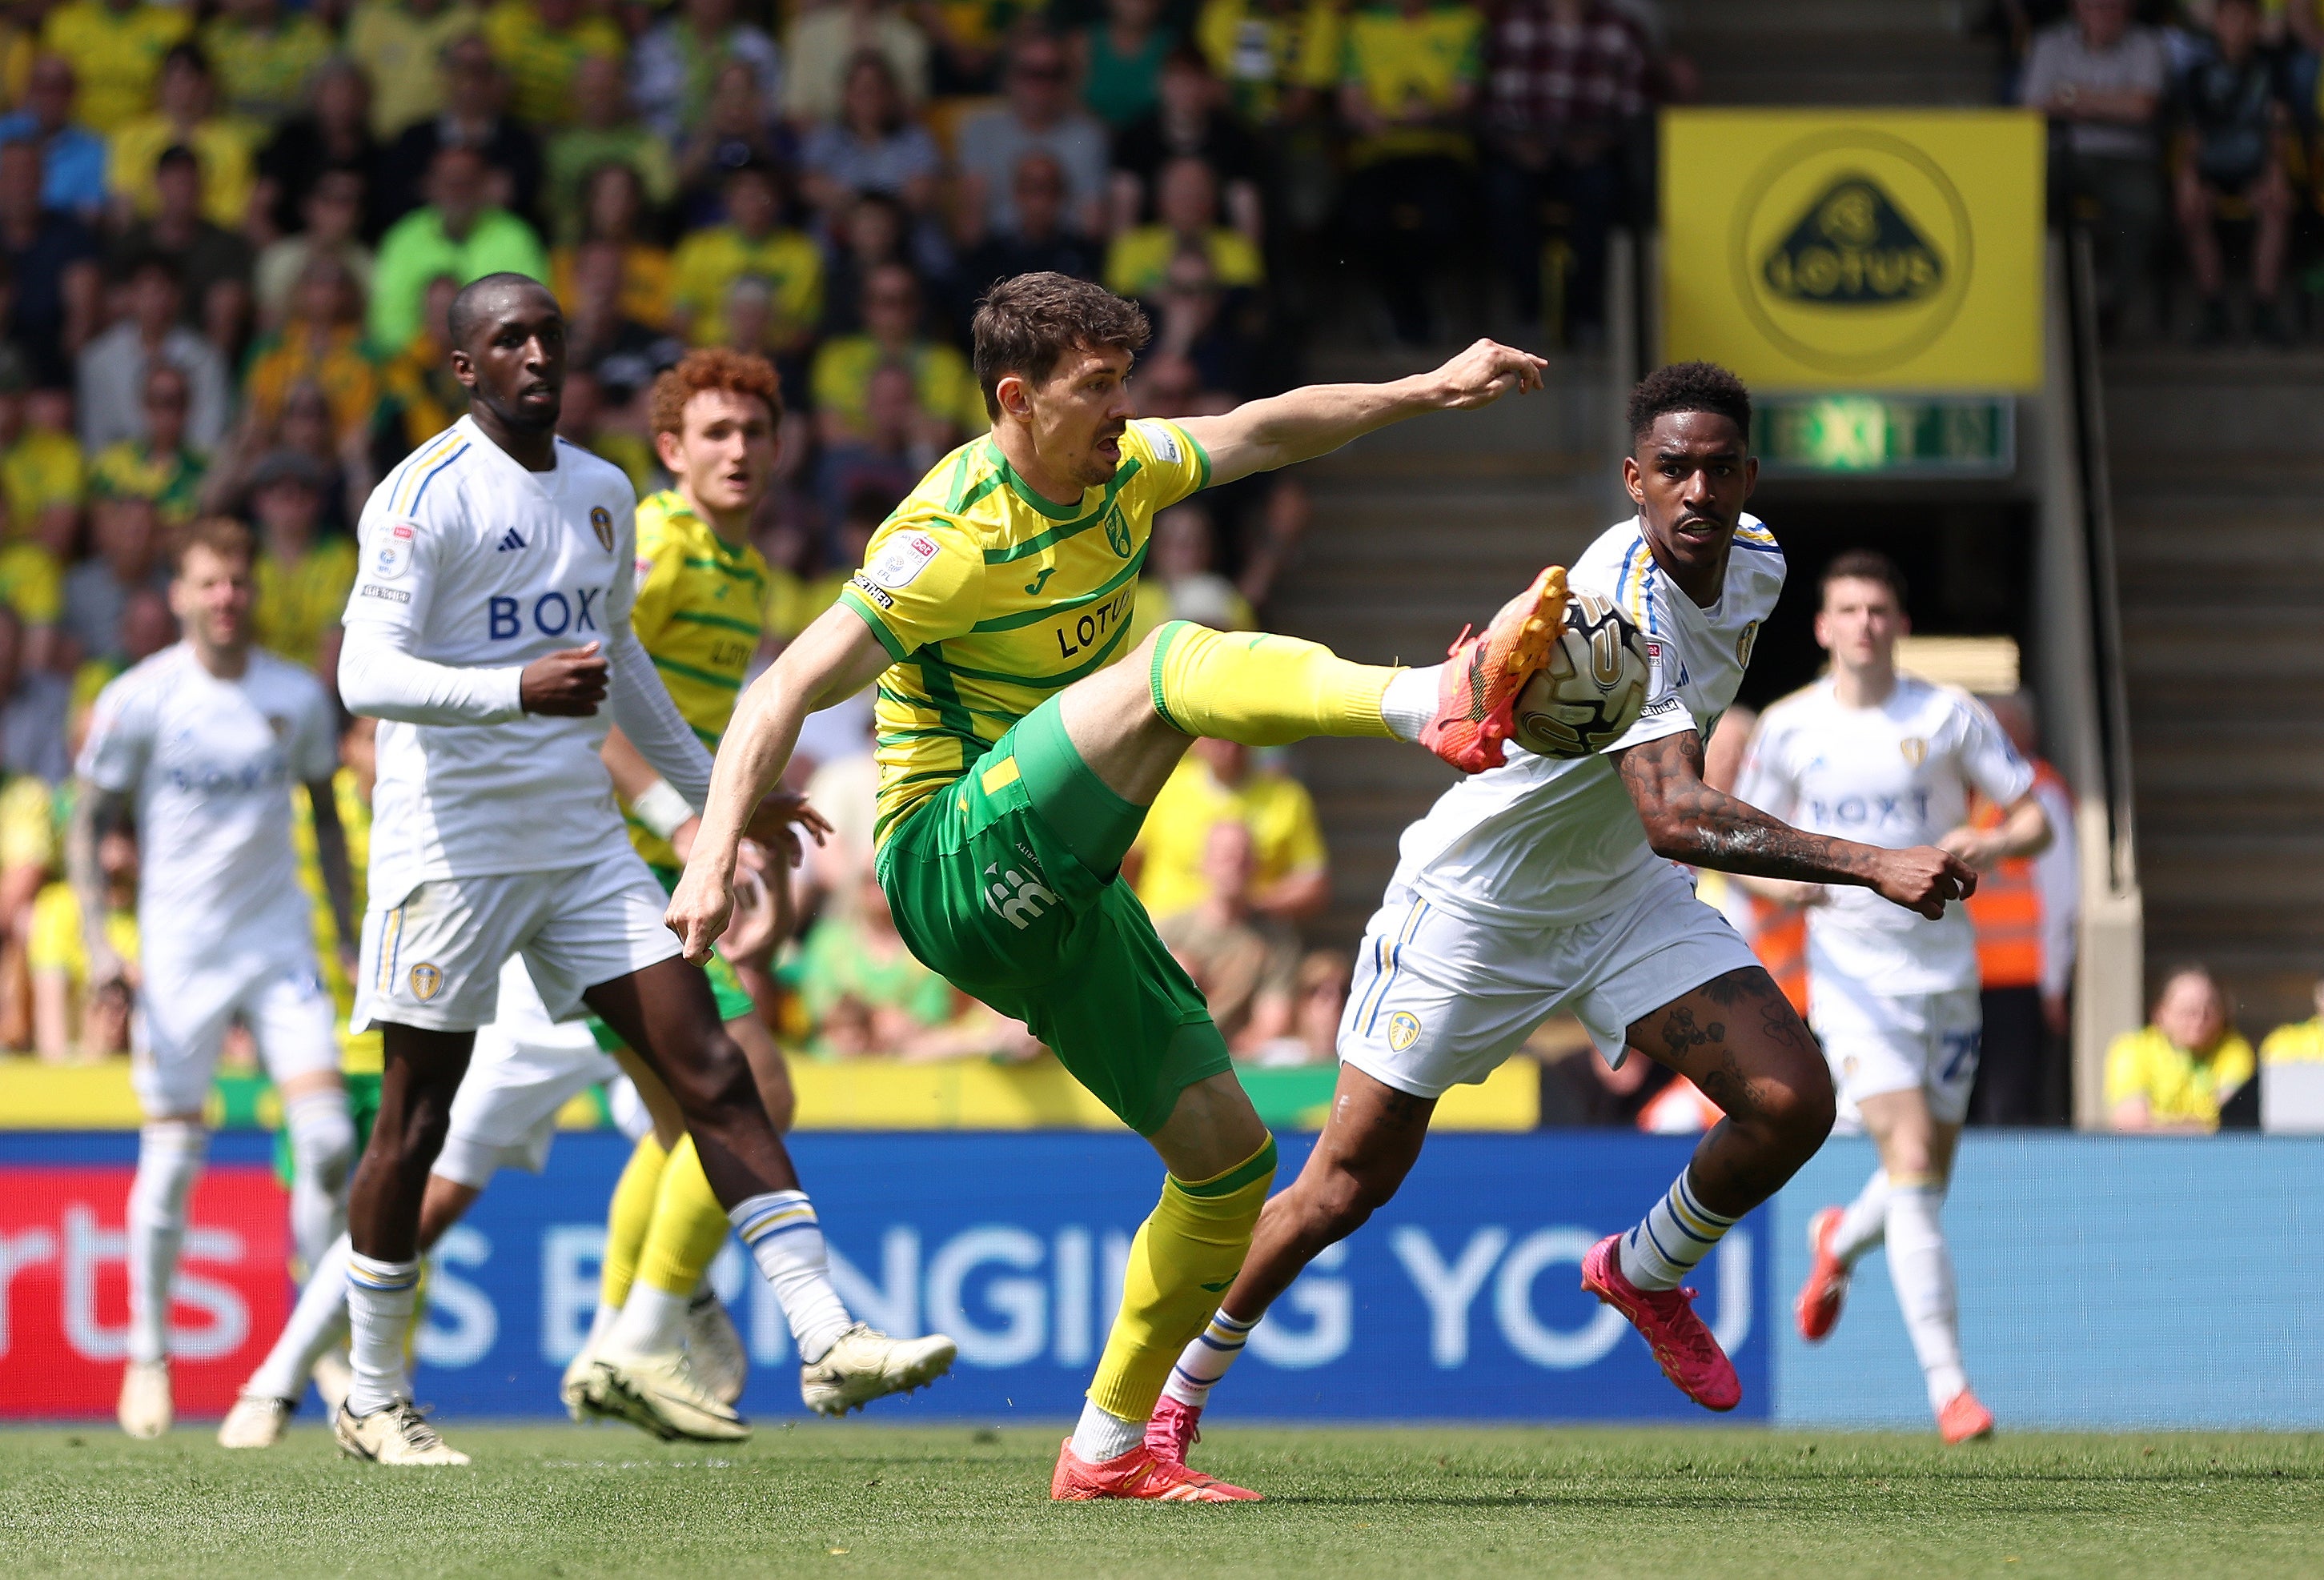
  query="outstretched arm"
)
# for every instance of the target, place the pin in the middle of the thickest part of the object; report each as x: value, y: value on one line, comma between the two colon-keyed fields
x: 1302, y: 423
x: 1687, y: 820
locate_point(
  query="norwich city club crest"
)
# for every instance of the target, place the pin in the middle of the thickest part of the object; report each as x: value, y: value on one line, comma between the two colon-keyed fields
x: 601, y: 522
x: 1852, y: 251
x: 1117, y: 531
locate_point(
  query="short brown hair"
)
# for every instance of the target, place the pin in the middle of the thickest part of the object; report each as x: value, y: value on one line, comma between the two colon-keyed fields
x: 1863, y: 564
x: 1024, y: 325
x: 223, y: 536
x: 714, y: 367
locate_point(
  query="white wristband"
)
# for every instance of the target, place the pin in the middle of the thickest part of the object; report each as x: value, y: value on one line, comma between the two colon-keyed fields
x: 661, y: 809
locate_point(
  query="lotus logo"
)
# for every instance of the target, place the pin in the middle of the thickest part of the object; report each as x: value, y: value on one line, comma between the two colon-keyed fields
x: 1853, y: 248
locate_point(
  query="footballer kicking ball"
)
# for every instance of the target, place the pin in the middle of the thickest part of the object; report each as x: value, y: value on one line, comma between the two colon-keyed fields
x: 1593, y: 688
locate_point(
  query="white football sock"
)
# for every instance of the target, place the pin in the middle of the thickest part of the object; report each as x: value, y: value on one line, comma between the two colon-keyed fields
x: 317, y: 1321
x: 1406, y: 707
x: 1864, y: 1222
x: 168, y: 1160
x: 1206, y: 1360
x: 601, y: 1324
x: 1100, y: 1435
x: 652, y: 1323
x: 786, y: 1240
x: 1922, y: 1269
x: 1677, y: 1233
x: 380, y: 1296
x: 322, y: 1155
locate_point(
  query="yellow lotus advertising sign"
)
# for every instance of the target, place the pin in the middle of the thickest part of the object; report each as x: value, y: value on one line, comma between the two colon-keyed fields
x: 1866, y: 250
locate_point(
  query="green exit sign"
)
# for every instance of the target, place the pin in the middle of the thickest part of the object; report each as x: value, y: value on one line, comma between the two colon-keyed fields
x: 1935, y: 436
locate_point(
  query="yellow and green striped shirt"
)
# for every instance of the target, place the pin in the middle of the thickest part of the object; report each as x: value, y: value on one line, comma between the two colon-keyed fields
x: 701, y: 604
x: 992, y: 599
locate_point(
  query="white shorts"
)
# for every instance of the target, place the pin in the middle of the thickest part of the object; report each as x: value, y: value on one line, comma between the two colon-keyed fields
x: 433, y: 959
x: 1441, y: 1000
x: 525, y: 1069
x: 182, y: 1017
x: 1880, y: 1043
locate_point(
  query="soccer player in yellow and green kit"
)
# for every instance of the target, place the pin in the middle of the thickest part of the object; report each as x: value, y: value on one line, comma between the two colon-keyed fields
x: 1018, y: 758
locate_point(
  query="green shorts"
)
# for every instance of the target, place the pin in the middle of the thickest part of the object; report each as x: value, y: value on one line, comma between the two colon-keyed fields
x: 734, y: 1000
x: 1004, y: 882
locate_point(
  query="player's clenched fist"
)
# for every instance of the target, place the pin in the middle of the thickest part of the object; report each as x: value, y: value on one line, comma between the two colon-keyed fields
x: 569, y: 683
x: 699, y: 909
x: 1924, y: 878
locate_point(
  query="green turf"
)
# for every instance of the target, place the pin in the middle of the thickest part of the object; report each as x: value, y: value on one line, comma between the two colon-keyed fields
x: 866, y: 1500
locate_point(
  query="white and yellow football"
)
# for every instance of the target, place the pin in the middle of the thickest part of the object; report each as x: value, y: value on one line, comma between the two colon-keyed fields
x: 1593, y: 688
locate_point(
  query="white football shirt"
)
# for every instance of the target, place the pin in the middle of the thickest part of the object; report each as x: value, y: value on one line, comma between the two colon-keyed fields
x: 1894, y: 775
x: 488, y: 565
x: 1553, y: 843
x: 209, y: 764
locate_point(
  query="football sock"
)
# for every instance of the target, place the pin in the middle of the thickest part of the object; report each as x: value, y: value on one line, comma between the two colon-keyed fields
x: 1864, y: 1222
x: 629, y: 1218
x: 168, y: 1160
x: 1182, y: 1260
x: 1100, y: 1435
x: 688, y: 1229
x: 379, y: 1298
x: 1922, y: 1269
x: 1263, y: 690
x: 653, y: 1322
x: 317, y: 1323
x: 322, y: 1151
x: 1205, y: 1360
x: 1676, y: 1234
x: 786, y: 1240
x: 1410, y: 701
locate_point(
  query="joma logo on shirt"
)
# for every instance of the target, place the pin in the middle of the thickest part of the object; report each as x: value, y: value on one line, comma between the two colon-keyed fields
x: 553, y: 614
x: 1095, y: 625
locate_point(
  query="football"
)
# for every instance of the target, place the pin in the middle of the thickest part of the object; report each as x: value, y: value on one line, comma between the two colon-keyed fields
x: 1593, y: 688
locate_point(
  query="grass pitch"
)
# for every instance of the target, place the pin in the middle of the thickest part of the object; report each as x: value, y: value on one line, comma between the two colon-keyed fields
x: 865, y: 1499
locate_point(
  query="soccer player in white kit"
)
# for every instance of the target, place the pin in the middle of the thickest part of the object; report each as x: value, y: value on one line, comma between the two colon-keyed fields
x: 197, y: 748
x: 489, y: 618
x: 1868, y: 754
x: 1545, y: 887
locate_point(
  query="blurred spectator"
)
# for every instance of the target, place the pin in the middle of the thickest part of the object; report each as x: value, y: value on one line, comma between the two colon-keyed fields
x: 751, y: 245
x: 2176, y: 1074
x: 113, y: 365
x: 333, y: 229
x: 303, y: 578
x: 2233, y: 118
x: 1214, y: 329
x: 945, y: 388
x: 160, y: 468
x: 307, y: 428
x: 1279, y: 58
x: 115, y: 48
x: 265, y: 58
x: 331, y: 137
x: 2297, y: 1042
x: 460, y: 233
x: 1137, y: 264
x: 1119, y: 61
x: 52, y: 259
x: 2101, y: 80
x: 1040, y: 241
x: 863, y: 472
x: 1182, y: 583
x: 41, y: 472
x: 1565, y: 80
x: 212, y: 263
x: 225, y: 147
x: 872, y: 145
x: 128, y: 560
x: 603, y: 133
x: 2025, y: 911
x: 472, y: 117
x: 870, y: 235
x: 1246, y: 964
x: 675, y: 64
x: 970, y: 37
x: 867, y: 995
x: 1039, y: 116
x: 33, y: 713
x: 613, y: 218
x: 1216, y: 781
x: 825, y: 40
x: 423, y: 397
x: 72, y: 157
x: 583, y: 419
x: 1413, y: 71
x: 399, y: 43
x: 1188, y: 122
x: 601, y: 337
x: 735, y: 132
x: 541, y: 44
x: 322, y: 342
x: 67, y: 1024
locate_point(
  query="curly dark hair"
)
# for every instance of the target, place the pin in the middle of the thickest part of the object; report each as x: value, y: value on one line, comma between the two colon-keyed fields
x: 1689, y: 386
x: 1026, y: 324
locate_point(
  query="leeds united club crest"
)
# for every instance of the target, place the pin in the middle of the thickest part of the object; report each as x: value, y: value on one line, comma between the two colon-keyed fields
x: 601, y: 522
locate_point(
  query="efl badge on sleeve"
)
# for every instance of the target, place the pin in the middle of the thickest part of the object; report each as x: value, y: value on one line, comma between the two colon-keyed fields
x: 601, y: 522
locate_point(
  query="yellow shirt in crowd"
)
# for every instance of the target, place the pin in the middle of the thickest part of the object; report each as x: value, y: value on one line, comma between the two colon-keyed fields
x: 1137, y: 264
x: 2301, y: 1043
x: 262, y: 73
x: 398, y: 50
x: 226, y: 148
x: 709, y: 263
x: 298, y: 602
x: 116, y: 56
x: 129, y: 470
x: 1396, y: 58
x: 540, y: 60
x: 1286, y: 837
x: 31, y: 583
x: 360, y: 1053
x: 28, y: 824
x: 56, y: 942
x: 942, y: 382
x: 1260, y: 53
x: 42, y: 468
x: 2178, y: 1087
x: 348, y: 378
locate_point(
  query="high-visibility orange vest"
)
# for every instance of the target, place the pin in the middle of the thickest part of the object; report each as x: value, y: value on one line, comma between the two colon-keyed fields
x: 2006, y: 908
x: 1779, y: 937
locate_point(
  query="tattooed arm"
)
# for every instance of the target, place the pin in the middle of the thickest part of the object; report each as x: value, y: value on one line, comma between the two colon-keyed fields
x: 1687, y: 820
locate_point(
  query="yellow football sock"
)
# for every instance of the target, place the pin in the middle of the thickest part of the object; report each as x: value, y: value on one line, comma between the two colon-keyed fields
x: 1184, y: 1258
x: 628, y: 1219
x: 1263, y: 690
x: 688, y: 1226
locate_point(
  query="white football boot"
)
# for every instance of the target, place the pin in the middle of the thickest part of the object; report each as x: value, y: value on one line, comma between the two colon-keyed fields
x: 255, y: 1421
x: 333, y: 1377
x: 721, y: 1364
x: 866, y: 1364
x: 659, y: 1394
x: 398, y: 1435
x: 573, y: 1387
x: 146, y: 1409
